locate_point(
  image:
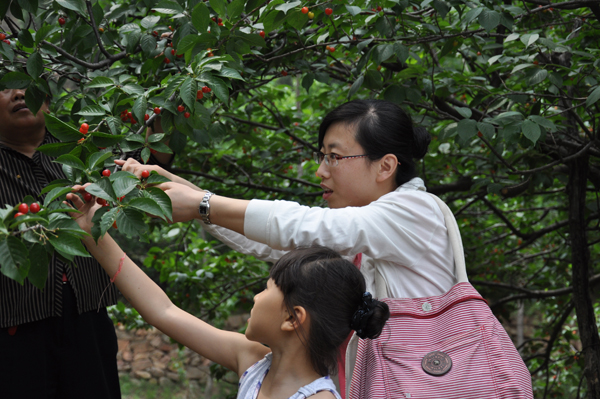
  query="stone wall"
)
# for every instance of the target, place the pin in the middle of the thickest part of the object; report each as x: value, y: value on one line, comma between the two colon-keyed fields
x: 150, y: 355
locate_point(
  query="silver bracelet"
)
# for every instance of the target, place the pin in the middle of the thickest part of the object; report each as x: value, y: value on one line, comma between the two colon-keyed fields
x: 204, y: 208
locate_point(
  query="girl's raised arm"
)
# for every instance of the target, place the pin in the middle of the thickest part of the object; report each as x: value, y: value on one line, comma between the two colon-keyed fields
x: 230, y: 349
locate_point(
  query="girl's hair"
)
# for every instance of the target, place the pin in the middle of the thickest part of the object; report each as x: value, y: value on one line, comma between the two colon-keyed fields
x: 331, y: 290
x: 382, y: 128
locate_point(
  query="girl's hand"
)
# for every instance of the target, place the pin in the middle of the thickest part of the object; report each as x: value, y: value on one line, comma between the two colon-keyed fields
x: 87, y: 209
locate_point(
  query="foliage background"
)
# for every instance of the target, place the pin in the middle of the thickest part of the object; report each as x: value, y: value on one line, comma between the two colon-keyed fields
x: 508, y: 89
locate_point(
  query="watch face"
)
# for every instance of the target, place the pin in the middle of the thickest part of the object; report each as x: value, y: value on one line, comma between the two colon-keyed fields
x: 203, y: 210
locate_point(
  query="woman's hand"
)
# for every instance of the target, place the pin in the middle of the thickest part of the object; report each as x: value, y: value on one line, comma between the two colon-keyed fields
x: 133, y: 166
x: 87, y: 209
x: 185, y: 200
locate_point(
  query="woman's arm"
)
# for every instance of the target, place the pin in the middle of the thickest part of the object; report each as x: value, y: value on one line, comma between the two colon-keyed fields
x: 229, y: 349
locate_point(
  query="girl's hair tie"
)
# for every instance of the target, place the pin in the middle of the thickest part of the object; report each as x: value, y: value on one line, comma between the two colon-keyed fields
x: 361, y: 317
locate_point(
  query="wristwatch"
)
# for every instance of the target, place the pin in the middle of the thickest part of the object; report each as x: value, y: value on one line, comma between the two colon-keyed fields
x: 204, y: 208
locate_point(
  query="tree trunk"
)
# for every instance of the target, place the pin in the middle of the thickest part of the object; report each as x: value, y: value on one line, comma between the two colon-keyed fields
x: 580, y: 258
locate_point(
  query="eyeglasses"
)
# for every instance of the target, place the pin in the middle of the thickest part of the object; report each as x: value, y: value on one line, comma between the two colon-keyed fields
x: 332, y: 159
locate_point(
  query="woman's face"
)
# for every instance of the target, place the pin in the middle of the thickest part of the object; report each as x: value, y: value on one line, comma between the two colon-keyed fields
x: 353, y: 181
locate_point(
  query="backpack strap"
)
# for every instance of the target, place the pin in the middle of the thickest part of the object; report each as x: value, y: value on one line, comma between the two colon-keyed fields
x: 455, y: 241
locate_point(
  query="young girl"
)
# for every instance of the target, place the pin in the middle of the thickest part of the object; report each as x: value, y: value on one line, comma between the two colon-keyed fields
x: 312, y: 300
x: 379, y: 214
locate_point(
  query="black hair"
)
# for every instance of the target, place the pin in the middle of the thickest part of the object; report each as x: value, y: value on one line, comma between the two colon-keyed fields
x: 382, y: 128
x: 331, y: 290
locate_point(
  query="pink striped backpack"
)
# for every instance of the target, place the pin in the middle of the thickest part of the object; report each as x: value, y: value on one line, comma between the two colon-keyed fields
x: 441, y: 347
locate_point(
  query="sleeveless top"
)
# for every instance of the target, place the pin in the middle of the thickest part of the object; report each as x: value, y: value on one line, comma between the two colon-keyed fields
x: 252, y: 379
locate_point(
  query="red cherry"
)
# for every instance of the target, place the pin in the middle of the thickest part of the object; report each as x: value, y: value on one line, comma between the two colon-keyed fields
x: 167, y: 60
x: 146, y: 117
x: 206, y: 89
x: 262, y: 34
x: 153, y: 151
x: 82, y: 130
x: 106, y: 173
x: 18, y: 214
x: 101, y: 201
x: 2, y: 36
x: 6, y: 41
x: 328, y: 11
x: 129, y: 115
x: 220, y: 20
x: 379, y: 8
x: 154, y: 33
x: 214, y: 19
x: 284, y: 73
x: 85, y: 126
x: 180, y: 108
x: 210, y: 54
x: 186, y: 115
x: 332, y: 49
x: 171, y: 28
x: 115, y: 224
x: 145, y: 174
x: 156, y: 110
x: 34, y: 208
x: 179, y: 55
x: 62, y: 21
x: 220, y: 24
x: 23, y: 208
x: 304, y: 10
x: 173, y: 52
x: 199, y: 95
x: 87, y: 197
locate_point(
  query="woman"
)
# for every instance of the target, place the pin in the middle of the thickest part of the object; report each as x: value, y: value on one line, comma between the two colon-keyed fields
x: 379, y: 214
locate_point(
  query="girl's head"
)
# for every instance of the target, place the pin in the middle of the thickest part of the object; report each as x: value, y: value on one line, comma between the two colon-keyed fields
x: 383, y: 134
x: 331, y: 290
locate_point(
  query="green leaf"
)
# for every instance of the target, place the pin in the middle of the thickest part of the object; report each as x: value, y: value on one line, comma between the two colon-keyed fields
x: 218, y: 6
x: 131, y: 222
x: 356, y: 86
x: 34, y: 99
x: 593, y: 97
x: 353, y: 10
x: 38, y: 272
x: 511, y: 37
x: 285, y: 7
x: 35, y: 65
x: 56, y: 193
x: 188, y: 92
x: 61, y: 130
x: 472, y: 14
x: 161, y: 199
x: 147, y: 205
x: 540, y: 120
x: 489, y: 19
x: 200, y: 20
x: 139, y: 108
x: 520, y: 67
x: 105, y: 139
x: 168, y: 7
x: 16, y: 80
x: 230, y: 73
x: 103, y: 189
x: 70, y: 160
x: 124, y: 185
x: 487, y: 129
x: 56, y: 149
x: 13, y: 259
x: 92, y: 110
x: 148, y: 44
x: 187, y: 43
x: 466, y: 128
x: 145, y: 155
x: 155, y: 178
x: 75, y: 5
x: 441, y: 7
x: 529, y: 39
x: 96, y: 220
x: 149, y: 21
x: 67, y: 243
x: 100, y: 82
x: 96, y: 160
x: 235, y: 8
x: 531, y: 130
x: 108, y: 219
x: 7, y: 52
x: 539, y: 75
x: 252, y: 39
x: 465, y: 112
x: 131, y: 88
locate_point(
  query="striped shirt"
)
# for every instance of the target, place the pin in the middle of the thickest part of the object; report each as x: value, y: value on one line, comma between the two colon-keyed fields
x: 21, y: 176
